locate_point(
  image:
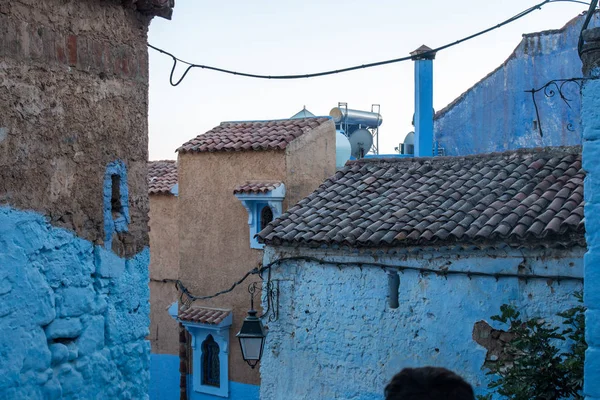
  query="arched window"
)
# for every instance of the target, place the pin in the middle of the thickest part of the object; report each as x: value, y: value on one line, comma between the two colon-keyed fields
x: 266, y: 216
x: 211, y: 367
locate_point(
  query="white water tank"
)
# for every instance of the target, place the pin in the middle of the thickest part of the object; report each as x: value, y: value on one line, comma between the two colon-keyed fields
x: 342, y: 149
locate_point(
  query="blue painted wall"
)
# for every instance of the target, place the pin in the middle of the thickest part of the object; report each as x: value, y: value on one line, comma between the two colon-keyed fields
x: 337, y: 337
x: 73, y: 316
x: 497, y: 115
x: 591, y: 154
x: 164, y: 382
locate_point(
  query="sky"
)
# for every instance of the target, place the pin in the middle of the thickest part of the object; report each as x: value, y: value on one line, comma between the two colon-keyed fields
x: 293, y: 37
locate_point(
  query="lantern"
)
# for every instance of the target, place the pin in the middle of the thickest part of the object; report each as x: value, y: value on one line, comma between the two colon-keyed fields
x: 252, y: 339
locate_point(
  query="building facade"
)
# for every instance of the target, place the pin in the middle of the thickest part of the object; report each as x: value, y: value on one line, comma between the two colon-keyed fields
x: 497, y: 113
x: 397, y: 263
x: 231, y: 181
x: 73, y: 198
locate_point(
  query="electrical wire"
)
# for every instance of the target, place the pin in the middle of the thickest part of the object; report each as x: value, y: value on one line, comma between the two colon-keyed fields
x: 187, y: 297
x: 356, y: 67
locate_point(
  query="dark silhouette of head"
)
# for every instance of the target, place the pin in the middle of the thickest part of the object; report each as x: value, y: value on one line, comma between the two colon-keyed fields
x: 428, y: 383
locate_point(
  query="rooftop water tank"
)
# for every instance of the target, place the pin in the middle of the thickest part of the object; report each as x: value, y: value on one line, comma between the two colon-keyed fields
x: 342, y: 149
x: 356, y: 117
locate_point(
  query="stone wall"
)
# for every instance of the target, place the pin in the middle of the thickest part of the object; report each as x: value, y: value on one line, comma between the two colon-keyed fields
x: 73, y: 200
x: 338, y: 337
x: 73, y: 98
x: 73, y: 315
x: 496, y: 114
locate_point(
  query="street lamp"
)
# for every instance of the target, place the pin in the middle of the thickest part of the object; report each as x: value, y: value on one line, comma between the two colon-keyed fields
x: 252, y: 338
x: 252, y: 334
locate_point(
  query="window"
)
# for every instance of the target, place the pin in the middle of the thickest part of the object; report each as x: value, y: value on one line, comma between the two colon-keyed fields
x: 115, y: 202
x: 266, y: 216
x: 210, y: 348
x: 115, y: 198
x: 210, y: 362
x: 262, y: 208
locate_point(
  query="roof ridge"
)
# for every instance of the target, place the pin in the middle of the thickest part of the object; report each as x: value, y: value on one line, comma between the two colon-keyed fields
x: 576, y: 149
x: 273, y: 120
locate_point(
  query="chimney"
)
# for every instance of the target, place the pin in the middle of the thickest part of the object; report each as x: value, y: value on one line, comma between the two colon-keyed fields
x: 423, y: 58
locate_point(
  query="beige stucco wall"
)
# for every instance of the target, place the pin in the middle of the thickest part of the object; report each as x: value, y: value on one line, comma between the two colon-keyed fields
x: 310, y: 160
x: 164, y: 264
x: 214, y: 236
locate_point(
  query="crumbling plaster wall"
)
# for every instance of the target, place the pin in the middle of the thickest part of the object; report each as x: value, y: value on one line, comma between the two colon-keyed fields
x: 337, y: 336
x: 73, y: 98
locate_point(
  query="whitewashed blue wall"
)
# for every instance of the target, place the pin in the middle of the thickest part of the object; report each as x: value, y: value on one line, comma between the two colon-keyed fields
x: 337, y: 337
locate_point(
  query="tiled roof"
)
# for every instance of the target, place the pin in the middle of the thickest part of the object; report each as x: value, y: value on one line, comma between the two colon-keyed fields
x: 203, y: 315
x: 257, y: 135
x: 162, y: 176
x: 521, y: 198
x: 256, y: 187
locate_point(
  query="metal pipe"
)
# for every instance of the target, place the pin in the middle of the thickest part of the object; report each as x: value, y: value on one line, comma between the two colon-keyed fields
x: 393, y: 287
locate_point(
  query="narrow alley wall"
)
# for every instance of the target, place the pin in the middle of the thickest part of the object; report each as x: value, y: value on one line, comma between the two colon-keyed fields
x: 496, y: 114
x: 73, y: 199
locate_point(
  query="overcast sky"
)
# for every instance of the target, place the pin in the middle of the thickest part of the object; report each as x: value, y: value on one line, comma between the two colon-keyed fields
x: 288, y: 37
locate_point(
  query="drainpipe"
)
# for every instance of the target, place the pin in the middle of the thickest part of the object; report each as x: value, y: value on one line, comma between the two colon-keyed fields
x: 423, y: 58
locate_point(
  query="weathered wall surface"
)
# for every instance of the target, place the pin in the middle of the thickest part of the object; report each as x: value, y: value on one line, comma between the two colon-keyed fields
x: 497, y: 115
x: 310, y: 160
x: 164, y: 232
x: 337, y: 337
x: 164, y: 264
x: 73, y: 98
x: 214, y: 235
x: 73, y: 316
x: 590, y: 120
x: 73, y: 149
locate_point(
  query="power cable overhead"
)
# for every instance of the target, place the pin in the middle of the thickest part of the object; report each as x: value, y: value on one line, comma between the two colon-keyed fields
x: 356, y: 67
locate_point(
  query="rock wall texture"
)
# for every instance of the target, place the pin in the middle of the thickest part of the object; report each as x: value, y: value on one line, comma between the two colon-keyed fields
x: 73, y: 316
x: 338, y: 338
x: 496, y: 114
x: 73, y: 98
x: 73, y: 200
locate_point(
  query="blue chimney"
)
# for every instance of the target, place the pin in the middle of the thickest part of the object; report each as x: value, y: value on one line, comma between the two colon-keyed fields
x: 423, y: 58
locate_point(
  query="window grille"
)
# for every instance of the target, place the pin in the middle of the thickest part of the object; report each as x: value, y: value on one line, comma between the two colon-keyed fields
x: 210, y: 363
x: 266, y: 216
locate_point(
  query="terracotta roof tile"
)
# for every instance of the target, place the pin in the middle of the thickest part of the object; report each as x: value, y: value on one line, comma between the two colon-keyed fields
x: 162, y: 176
x: 522, y: 198
x: 252, y: 135
x: 256, y: 187
x: 203, y: 315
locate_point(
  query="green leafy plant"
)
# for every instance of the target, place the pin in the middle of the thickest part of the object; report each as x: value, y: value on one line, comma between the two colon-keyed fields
x: 542, y: 361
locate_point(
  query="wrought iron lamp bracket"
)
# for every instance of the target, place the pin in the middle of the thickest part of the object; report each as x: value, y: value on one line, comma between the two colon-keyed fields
x: 553, y: 88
